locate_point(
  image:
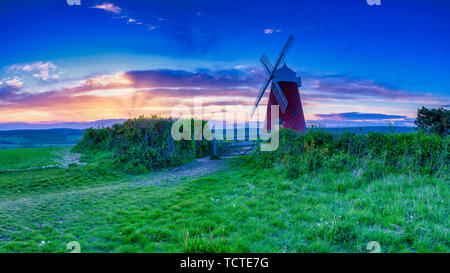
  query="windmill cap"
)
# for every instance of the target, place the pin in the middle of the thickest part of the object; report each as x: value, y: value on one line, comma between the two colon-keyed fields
x: 285, y: 74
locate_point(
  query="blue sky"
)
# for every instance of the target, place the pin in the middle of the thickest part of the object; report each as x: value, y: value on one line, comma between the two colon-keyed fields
x: 354, y: 58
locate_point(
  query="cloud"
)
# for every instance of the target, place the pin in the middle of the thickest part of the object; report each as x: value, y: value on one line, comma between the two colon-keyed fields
x: 40, y: 70
x: 271, y: 31
x: 134, y: 93
x: 174, y: 82
x: 109, y: 81
x: 356, y: 116
x: 15, y: 82
x: 350, y: 88
x: 200, y: 78
x: 7, y: 91
x: 108, y: 7
x: 9, y: 88
x: 129, y: 20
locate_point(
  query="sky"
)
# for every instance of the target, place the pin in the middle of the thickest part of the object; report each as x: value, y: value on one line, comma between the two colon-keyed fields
x: 360, y: 64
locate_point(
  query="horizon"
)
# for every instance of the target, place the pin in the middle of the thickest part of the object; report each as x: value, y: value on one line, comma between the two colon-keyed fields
x: 361, y: 65
x: 18, y: 126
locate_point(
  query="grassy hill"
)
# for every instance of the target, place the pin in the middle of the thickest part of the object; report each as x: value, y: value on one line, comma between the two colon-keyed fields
x: 318, y: 192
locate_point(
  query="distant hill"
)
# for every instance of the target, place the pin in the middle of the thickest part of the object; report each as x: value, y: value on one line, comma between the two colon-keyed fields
x: 40, y: 138
x: 65, y: 137
x: 66, y: 125
x: 366, y: 129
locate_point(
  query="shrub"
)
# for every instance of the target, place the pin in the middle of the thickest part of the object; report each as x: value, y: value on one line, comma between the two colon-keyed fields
x: 341, y: 162
x: 313, y: 157
x: 418, y: 152
x: 142, y: 144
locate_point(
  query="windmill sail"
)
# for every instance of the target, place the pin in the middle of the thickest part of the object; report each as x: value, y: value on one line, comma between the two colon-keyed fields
x: 285, y: 50
x: 266, y: 64
x: 279, y: 95
x: 260, y: 94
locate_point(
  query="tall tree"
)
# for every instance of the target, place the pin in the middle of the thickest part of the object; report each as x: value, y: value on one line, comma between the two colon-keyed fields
x: 433, y: 120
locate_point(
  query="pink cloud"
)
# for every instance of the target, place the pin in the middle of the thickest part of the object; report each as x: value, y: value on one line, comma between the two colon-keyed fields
x: 108, y: 7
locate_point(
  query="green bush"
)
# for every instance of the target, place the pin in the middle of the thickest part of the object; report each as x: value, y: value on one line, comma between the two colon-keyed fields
x: 341, y: 161
x: 419, y: 153
x: 142, y: 144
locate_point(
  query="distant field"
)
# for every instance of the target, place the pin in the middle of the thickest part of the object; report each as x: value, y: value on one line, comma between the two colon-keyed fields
x: 39, y: 138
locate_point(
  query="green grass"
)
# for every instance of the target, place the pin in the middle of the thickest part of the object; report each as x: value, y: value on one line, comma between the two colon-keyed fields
x: 242, y: 210
x: 29, y: 157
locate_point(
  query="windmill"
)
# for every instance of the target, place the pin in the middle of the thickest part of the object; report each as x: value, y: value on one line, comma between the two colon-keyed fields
x: 283, y: 92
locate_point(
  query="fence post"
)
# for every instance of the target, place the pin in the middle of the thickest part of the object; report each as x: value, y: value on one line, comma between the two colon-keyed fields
x: 214, y: 145
x: 257, y: 130
x: 247, y: 131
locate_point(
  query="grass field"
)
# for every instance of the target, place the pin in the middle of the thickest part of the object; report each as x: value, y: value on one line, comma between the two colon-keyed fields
x: 239, y: 210
x: 29, y: 157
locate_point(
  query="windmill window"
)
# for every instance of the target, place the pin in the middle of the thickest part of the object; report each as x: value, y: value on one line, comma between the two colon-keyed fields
x: 294, y: 112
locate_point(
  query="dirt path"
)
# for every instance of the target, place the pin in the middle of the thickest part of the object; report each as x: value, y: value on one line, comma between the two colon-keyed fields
x: 66, y: 157
x: 197, y: 168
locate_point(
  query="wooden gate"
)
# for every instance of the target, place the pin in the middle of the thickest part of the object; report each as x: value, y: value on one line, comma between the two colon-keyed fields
x: 223, y: 148
x: 234, y: 142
